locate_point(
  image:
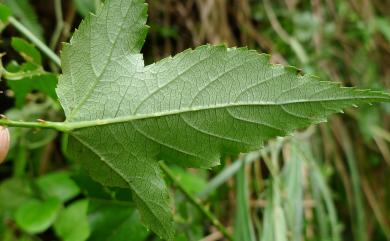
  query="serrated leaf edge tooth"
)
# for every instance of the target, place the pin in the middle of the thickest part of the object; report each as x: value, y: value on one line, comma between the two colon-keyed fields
x: 299, y: 73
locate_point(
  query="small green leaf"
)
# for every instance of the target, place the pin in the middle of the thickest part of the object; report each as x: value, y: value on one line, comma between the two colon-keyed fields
x: 89, y: 187
x: 44, y: 83
x: 29, y: 76
x: 110, y: 220
x: 13, y: 193
x: 72, y: 222
x: 84, y: 7
x: 193, y: 182
x: 27, y: 50
x: 36, y: 216
x: 5, y: 13
x: 58, y: 185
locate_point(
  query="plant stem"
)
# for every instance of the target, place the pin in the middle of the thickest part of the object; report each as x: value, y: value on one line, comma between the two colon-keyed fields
x: 28, y: 34
x: 196, y: 202
x: 59, y: 26
x: 59, y: 126
x: 293, y: 42
x: 20, y: 162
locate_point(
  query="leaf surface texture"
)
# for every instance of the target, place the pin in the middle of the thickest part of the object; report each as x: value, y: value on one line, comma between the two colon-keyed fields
x: 187, y: 109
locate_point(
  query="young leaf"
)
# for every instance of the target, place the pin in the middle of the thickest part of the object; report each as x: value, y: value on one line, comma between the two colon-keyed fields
x: 72, y: 222
x: 29, y: 76
x: 27, y: 50
x: 14, y: 192
x: 112, y: 220
x: 5, y: 13
x: 123, y: 117
x: 58, y: 185
x: 44, y: 83
x: 36, y: 216
x: 84, y: 7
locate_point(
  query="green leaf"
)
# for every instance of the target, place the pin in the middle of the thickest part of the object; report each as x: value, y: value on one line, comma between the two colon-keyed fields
x: 29, y: 76
x: 58, y: 185
x: 192, y: 182
x: 110, y: 220
x: 36, y: 216
x: 72, y: 222
x: 45, y: 83
x: 23, y: 10
x: 27, y: 50
x: 84, y: 7
x: 13, y: 193
x: 89, y: 187
x: 123, y: 117
x: 5, y: 13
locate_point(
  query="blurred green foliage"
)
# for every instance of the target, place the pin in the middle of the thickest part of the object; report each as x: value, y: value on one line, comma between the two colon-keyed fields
x: 327, y: 183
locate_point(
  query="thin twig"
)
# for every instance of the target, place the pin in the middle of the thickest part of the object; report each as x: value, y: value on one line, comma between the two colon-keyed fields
x: 294, y: 43
x: 28, y: 34
x: 59, y: 26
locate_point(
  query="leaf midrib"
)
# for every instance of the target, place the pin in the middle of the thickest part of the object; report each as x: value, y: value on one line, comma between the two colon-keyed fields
x: 75, y: 125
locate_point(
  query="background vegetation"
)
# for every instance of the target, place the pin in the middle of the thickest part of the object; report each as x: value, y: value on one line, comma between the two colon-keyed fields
x: 329, y: 182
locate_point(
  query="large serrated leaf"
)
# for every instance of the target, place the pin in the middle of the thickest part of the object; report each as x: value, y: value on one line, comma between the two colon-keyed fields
x: 124, y: 117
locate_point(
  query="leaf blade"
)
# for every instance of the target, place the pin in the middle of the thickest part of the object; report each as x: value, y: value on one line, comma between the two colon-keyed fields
x: 187, y: 109
x: 83, y: 57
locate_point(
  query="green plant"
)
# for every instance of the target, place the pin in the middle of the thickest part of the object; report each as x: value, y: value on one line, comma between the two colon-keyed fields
x: 122, y: 117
